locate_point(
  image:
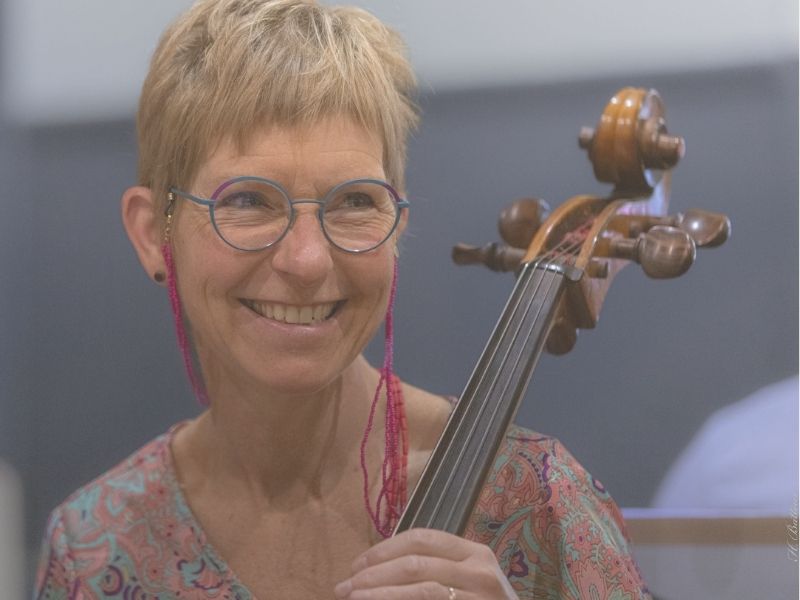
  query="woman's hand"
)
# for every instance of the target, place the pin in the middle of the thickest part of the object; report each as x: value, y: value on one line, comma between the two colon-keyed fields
x: 426, y: 564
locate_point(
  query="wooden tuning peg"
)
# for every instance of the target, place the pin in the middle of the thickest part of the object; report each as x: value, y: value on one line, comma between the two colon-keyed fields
x: 659, y: 149
x: 520, y: 220
x: 663, y: 252
x: 518, y: 223
x: 495, y: 256
x: 707, y: 229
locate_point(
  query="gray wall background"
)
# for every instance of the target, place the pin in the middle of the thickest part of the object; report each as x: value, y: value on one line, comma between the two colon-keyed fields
x: 89, y: 369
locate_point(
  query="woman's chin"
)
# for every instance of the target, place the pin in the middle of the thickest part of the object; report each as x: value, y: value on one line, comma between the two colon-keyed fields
x: 297, y: 376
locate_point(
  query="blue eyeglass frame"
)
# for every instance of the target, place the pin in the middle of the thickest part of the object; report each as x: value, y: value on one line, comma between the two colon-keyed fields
x: 401, y: 203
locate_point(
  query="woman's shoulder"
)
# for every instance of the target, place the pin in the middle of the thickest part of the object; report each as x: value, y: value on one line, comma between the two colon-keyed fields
x: 108, y: 532
x: 102, y: 512
x: 536, y: 471
x: 132, y: 478
x: 555, y: 529
x: 546, y: 457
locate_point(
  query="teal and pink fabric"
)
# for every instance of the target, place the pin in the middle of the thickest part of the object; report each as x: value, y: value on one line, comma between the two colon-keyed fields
x: 130, y: 534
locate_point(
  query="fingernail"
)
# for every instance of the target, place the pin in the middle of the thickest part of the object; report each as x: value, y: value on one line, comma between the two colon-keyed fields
x: 343, y: 589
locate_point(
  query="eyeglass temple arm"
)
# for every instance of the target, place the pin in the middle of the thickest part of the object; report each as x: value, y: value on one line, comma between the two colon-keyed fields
x: 188, y: 196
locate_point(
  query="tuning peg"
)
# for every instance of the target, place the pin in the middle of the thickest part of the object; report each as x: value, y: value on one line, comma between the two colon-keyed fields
x: 707, y: 229
x: 520, y: 220
x: 495, y: 256
x: 657, y: 148
x: 663, y: 252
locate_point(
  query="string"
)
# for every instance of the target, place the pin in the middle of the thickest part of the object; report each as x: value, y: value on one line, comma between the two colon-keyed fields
x: 534, y: 264
x: 462, y: 415
x: 559, y: 255
x: 485, y: 403
x: 567, y: 246
x: 452, y: 472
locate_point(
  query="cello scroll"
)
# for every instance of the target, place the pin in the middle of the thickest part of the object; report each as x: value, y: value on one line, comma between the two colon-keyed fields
x: 631, y: 149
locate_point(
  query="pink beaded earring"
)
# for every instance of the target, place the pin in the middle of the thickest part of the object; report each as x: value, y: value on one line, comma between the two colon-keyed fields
x: 391, y: 497
x: 177, y: 311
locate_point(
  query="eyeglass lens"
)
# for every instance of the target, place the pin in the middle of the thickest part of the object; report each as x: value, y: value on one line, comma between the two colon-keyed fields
x: 251, y: 214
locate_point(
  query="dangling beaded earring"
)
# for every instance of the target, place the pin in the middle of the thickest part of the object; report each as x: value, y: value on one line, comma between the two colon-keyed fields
x: 177, y: 311
x: 392, y: 496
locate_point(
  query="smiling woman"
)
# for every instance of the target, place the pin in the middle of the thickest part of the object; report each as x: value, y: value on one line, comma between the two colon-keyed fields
x: 220, y: 286
x: 270, y: 200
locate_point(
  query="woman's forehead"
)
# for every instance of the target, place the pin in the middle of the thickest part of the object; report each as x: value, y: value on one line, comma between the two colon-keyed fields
x: 330, y: 150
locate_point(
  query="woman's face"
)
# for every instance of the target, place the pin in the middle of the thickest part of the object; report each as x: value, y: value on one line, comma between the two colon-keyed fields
x: 241, y: 305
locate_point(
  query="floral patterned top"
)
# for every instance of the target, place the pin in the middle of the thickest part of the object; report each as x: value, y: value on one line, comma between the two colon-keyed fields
x: 130, y: 533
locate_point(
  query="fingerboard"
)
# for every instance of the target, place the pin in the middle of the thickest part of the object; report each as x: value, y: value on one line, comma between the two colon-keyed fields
x: 452, y: 479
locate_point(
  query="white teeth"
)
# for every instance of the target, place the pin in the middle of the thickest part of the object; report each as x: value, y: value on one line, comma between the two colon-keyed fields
x: 302, y: 315
x: 320, y: 312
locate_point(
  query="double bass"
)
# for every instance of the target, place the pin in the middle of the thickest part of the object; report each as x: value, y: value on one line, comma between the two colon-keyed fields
x: 565, y: 263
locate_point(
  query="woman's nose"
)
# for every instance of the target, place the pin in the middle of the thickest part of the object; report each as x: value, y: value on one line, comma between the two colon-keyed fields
x: 304, y: 252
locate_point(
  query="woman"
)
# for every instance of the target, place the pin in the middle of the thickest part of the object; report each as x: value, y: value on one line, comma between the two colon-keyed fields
x: 270, y: 203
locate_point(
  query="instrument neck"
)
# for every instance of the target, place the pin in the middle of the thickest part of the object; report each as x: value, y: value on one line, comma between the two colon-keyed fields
x: 449, y: 486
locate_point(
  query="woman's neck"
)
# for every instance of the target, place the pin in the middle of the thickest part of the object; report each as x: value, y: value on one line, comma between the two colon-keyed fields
x: 282, y: 449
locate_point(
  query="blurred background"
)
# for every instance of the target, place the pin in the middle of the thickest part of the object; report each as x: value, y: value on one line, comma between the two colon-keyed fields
x: 89, y: 370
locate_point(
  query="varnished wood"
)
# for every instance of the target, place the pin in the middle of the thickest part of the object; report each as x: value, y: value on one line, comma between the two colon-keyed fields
x: 630, y: 148
x: 663, y: 252
x: 630, y: 145
x: 495, y: 256
x: 520, y: 220
x: 707, y: 229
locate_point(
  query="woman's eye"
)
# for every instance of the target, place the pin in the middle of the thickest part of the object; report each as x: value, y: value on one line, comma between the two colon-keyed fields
x: 357, y: 200
x: 243, y: 200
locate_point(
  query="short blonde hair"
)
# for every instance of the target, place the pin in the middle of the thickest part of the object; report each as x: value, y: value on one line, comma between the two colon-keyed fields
x: 227, y: 66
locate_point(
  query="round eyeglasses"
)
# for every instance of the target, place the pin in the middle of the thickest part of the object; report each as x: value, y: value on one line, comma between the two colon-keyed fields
x: 252, y: 213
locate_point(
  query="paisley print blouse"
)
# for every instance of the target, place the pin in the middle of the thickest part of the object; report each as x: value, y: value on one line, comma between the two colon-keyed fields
x: 131, y: 535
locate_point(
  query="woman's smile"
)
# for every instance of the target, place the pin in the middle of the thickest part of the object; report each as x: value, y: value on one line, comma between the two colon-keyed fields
x: 309, y: 314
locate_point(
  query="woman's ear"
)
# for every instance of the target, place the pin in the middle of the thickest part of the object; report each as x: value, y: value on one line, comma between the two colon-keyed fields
x: 141, y: 222
x: 402, y: 223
